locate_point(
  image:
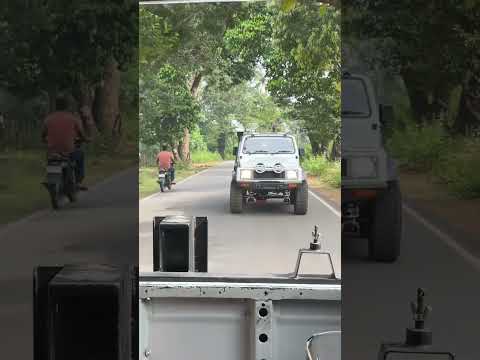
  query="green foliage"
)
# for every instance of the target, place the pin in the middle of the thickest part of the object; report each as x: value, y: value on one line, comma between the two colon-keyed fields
x: 234, y: 61
x: 329, y: 172
x: 300, y: 50
x: 418, y: 147
x: 202, y: 157
x: 197, y: 141
x: 458, y: 168
x: 50, y: 42
x: 435, y: 51
x: 451, y: 161
x: 166, y: 107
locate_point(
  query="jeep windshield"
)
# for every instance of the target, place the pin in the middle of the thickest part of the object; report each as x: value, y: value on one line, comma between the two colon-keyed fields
x: 355, y: 98
x: 268, y: 145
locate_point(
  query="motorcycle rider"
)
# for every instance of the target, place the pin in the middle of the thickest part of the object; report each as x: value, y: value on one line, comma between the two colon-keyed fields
x: 61, y: 130
x: 166, y: 160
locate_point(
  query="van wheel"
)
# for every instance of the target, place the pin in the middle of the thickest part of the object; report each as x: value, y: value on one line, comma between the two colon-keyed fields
x: 300, y: 206
x: 236, y: 199
x: 386, y: 225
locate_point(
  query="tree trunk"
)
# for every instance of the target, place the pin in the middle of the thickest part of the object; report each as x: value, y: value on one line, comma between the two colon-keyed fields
x: 185, y: 145
x: 86, y: 98
x: 315, y: 144
x: 109, y: 97
x: 52, y: 98
x: 335, y: 153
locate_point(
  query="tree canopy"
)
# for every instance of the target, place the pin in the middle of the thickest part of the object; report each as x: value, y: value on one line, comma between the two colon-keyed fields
x: 254, y: 65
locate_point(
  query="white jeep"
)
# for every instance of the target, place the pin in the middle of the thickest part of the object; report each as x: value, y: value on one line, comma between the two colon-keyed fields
x: 371, y: 198
x: 267, y: 166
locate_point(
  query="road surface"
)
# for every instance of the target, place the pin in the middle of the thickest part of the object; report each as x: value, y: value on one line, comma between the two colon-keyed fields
x: 101, y: 228
x: 265, y: 238
x: 376, y: 297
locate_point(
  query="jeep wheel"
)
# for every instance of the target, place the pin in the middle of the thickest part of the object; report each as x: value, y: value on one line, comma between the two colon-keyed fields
x: 386, y: 225
x: 236, y: 199
x: 300, y: 206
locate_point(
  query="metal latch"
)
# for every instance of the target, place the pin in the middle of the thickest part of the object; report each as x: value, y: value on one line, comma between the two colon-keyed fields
x: 315, y: 248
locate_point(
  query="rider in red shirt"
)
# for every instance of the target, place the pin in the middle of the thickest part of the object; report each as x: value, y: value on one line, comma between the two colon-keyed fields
x: 166, y: 160
x: 60, y: 131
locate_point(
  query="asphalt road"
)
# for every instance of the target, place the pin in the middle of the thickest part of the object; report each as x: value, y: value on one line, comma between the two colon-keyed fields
x: 376, y: 297
x: 265, y: 238
x: 102, y: 228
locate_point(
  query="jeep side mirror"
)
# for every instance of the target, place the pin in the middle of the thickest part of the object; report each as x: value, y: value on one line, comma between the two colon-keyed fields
x: 386, y: 115
x: 235, y: 150
x: 301, y: 152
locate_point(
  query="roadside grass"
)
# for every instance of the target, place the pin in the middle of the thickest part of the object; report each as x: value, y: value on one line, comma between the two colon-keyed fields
x: 21, y: 192
x: 324, y: 172
x: 202, y: 157
x: 450, y: 161
x: 147, y: 176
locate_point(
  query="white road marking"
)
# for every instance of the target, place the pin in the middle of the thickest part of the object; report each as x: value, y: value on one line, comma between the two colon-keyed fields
x: 448, y: 240
x: 326, y: 204
x: 180, y: 182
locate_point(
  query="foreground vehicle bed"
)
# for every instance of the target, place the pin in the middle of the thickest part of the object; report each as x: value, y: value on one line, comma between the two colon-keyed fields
x: 225, y: 317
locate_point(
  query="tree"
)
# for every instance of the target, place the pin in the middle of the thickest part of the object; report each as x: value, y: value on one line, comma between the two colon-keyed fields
x: 300, y: 50
x: 191, y: 38
x: 435, y: 51
x: 166, y: 107
x: 70, y: 47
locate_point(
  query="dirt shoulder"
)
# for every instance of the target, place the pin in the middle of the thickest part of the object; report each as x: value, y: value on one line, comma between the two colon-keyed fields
x: 325, y: 191
x: 457, y: 216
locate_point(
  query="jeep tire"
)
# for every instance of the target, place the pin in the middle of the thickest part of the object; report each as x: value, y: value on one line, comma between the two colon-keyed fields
x: 300, y: 205
x: 386, y: 225
x: 236, y: 199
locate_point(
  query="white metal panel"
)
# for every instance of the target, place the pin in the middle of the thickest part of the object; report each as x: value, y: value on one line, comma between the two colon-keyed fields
x: 182, y: 319
x: 200, y: 329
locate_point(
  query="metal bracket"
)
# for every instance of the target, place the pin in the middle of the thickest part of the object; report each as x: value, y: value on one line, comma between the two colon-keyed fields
x: 263, y: 330
x: 315, y: 248
x: 295, y: 274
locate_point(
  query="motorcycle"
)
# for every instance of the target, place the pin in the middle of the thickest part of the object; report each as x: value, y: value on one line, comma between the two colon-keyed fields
x: 60, y: 178
x: 164, y: 179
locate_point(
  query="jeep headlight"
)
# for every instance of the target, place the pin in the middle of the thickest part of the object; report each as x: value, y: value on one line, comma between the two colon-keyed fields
x: 246, y: 174
x: 291, y: 175
x: 363, y: 167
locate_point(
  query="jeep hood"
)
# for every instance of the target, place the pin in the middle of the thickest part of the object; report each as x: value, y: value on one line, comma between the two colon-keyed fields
x: 288, y: 161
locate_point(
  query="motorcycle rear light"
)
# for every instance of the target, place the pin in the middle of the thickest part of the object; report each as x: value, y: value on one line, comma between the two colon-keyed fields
x: 292, y: 186
x: 244, y: 185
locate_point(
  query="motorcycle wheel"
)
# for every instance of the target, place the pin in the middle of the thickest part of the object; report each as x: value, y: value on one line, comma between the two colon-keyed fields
x: 72, y: 196
x: 72, y: 188
x: 162, y: 188
x: 54, y: 196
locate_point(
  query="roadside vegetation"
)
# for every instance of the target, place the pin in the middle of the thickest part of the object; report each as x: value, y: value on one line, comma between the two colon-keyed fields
x: 148, y: 172
x: 436, y: 95
x: 452, y: 161
x: 323, y: 171
x: 99, y: 75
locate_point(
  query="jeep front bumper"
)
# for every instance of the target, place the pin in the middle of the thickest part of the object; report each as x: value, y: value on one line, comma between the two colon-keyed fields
x: 269, y: 185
